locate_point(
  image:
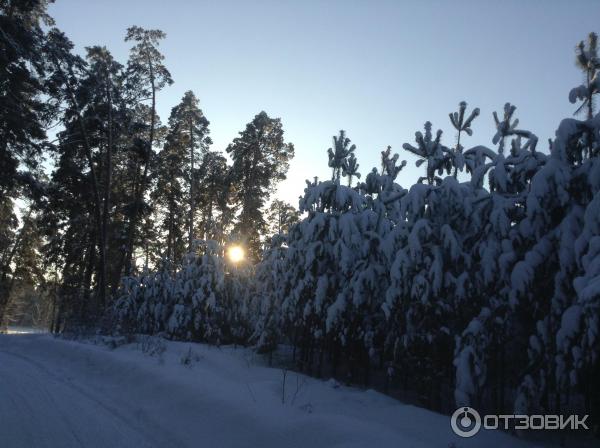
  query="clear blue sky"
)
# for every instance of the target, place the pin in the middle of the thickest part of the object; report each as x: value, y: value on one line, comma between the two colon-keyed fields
x: 378, y: 69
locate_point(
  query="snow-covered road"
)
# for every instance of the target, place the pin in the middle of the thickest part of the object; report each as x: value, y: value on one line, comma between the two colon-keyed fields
x: 57, y: 393
x: 40, y: 409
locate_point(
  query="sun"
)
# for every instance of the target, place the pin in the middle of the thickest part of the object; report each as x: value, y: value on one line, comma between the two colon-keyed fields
x: 236, y: 253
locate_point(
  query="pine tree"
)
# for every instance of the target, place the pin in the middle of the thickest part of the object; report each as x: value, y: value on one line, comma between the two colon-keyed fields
x: 8, y: 246
x: 24, y: 113
x: 170, y: 193
x: 281, y: 217
x: 212, y: 191
x: 461, y: 125
x: 68, y: 72
x: 177, y: 177
x: 588, y: 61
x: 430, y: 150
x: 339, y: 156
x: 260, y: 160
x: 100, y: 119
x: 149, y: 75
x: 28, y: 270
x: 190, y: 120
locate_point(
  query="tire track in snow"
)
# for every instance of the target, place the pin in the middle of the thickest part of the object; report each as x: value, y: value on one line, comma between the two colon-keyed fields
x: 40, y: 414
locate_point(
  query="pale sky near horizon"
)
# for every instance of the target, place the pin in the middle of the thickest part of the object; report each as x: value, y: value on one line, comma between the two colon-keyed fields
x: 378, y: 69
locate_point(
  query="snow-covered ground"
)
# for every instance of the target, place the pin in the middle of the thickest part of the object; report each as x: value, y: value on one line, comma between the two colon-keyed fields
x: 58, y: 393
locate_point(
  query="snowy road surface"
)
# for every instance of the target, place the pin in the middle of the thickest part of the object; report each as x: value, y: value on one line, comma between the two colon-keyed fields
x: 56, y: 393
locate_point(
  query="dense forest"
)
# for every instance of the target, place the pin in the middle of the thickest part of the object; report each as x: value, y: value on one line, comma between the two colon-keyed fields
x: 479, y: 284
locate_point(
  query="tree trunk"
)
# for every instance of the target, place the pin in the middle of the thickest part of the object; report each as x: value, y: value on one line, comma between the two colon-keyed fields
x: 191, y: 235
x: 87, y: 278
x: 5, y: 290
x: 142, y: 186
x: 107, y: 188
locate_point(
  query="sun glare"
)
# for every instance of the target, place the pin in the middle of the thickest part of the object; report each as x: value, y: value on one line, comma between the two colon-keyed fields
x: 235, y: 253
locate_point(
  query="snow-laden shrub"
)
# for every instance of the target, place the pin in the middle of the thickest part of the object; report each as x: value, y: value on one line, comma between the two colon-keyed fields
x: 196, y: 301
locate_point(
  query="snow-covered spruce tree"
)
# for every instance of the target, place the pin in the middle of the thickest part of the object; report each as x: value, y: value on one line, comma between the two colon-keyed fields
x: 370, y: 281
x: 357, y: 314
x: 578, y: 340
x: 562, y: 212
x: 235, y: 310
x: 325, y: 246
x: 588, y: 61
x: 481, y: 352
x: 333, y: 267
x: 545, y: 237
x: 198, y: 295
x: 202, y: 300
x: 426, y: 302
x: 140, y: 305
x: 265, y: 306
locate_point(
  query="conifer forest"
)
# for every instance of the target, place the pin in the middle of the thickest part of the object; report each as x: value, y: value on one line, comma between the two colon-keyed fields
x: 474, y: 284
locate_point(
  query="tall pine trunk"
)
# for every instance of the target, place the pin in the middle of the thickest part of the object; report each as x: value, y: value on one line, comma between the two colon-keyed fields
x: 192, y: 202
x: 125, y: 266
x: 107, y: 188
